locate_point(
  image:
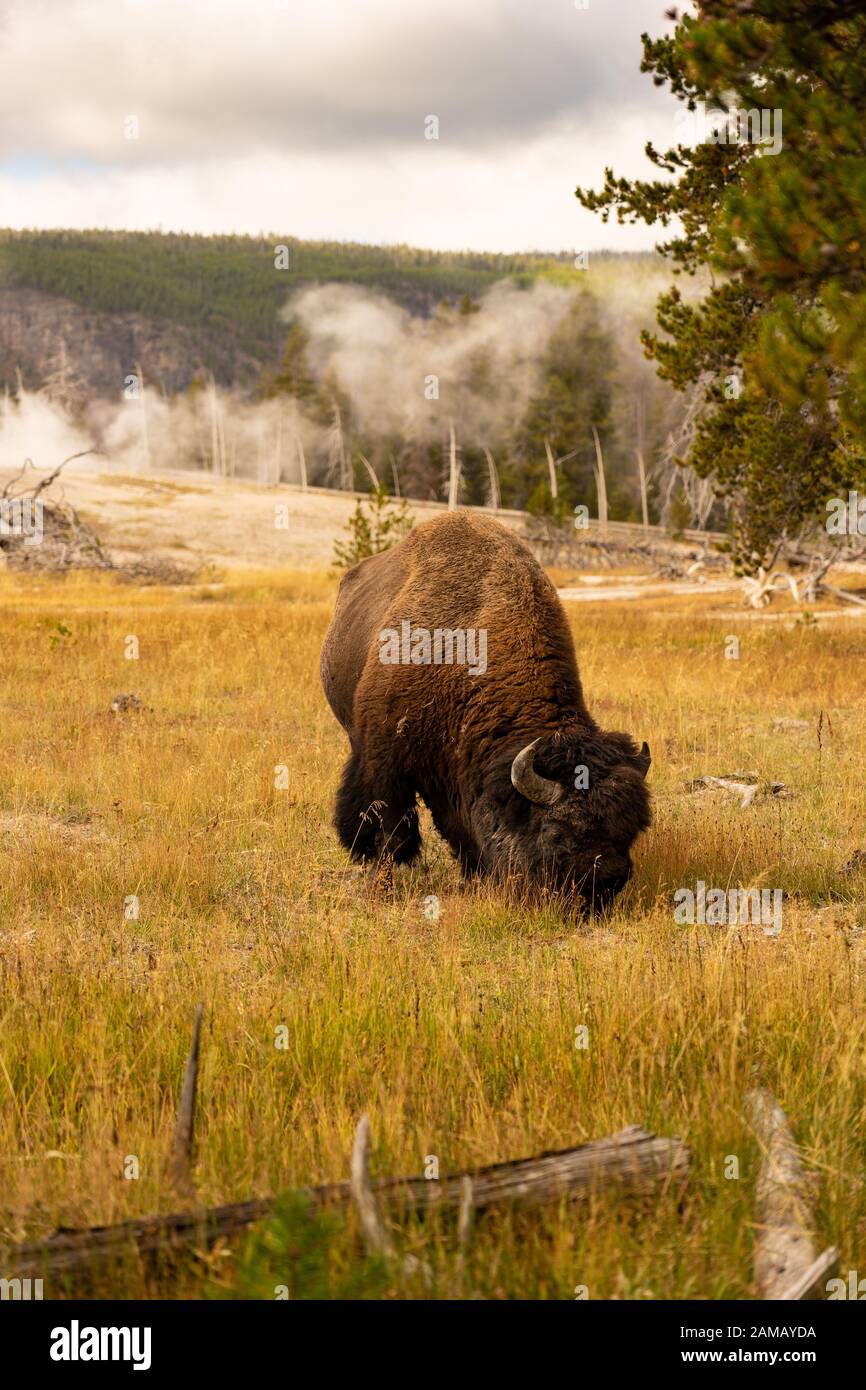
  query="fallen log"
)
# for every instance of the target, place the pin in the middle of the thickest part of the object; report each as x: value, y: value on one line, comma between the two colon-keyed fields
x: 842, y: 594
x: 743, y: 784
x: 787, y: 1264
x: 633, y: 1158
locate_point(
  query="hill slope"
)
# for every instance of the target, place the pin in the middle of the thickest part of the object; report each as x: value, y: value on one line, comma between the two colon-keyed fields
x: 179, y: 303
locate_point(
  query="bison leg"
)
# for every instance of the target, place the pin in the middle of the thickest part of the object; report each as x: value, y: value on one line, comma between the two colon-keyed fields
x: 376, y: 823
x: 464, y: 849
x: 470, y: 864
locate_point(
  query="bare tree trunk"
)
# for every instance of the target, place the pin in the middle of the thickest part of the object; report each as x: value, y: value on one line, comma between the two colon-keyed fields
x: 278, y: 462
x: 551, y: 469
x: 145, y: 438
x: 641, y: 466
x: 601, y: 484
x: 261, y: 461
x: 453, y: 471
x: 370, y: 469
x: 214, y: 428
x: 644, y: 505
x: 221, y: 435
x: 302, y: 460
x: 495, y: 496
x: 345, y: 480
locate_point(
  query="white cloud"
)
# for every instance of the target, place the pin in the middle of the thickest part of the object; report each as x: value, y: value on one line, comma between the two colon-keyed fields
x: 310, y: 119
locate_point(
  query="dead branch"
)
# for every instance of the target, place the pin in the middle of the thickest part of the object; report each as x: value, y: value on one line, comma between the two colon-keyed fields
x: 555, y: 543
x: 464, y: 1222
x: 842, y: 594
x: 375, y: 1238
x: 743, y: 784
x: 760, y: 587
x: 179, y: 1170
x: 464, y: 1226
x: 787, y: 1265
x: 6, y: 494
x: 46, y: 482
x: 634, y: 1160
x: 64, y: 541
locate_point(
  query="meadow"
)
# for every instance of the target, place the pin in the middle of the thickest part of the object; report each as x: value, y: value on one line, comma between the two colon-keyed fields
x: 456, y: 1035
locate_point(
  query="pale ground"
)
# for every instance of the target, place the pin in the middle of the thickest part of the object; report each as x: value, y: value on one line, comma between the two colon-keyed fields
x: 190, y: 517
x: 195, y: 519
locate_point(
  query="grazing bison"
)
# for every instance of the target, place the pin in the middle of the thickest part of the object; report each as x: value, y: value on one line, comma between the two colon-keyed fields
x: 450, y: 665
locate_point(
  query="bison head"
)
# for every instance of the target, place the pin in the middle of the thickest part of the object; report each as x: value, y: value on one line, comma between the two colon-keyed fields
x: 578, y: 802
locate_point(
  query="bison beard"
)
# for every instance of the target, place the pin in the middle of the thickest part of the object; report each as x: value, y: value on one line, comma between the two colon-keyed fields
x: 519, y: 779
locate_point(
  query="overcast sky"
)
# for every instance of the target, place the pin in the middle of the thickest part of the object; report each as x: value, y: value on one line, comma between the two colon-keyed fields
x: 308, y: 117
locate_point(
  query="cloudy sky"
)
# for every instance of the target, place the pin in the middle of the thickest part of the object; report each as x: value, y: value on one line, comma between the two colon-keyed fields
x: 309, y: 117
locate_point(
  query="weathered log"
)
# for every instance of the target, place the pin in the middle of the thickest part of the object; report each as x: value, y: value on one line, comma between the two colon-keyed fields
x: 813, y: 1281
x: 743, y: 784
x: 787, y: 1263
x: 633, y: 1158
x: 843, y: 594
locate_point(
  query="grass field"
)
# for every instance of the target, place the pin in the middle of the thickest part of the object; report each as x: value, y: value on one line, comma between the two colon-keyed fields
x: 457, y: 1036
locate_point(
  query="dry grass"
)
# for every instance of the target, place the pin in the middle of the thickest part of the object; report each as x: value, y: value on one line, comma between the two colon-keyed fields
x: 456, y: 1035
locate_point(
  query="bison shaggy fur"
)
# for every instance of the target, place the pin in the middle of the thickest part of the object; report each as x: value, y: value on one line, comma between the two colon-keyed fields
x: 519, y: 779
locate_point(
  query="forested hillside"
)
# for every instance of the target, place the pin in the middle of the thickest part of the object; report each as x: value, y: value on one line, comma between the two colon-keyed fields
x: 233, y: 286
x: 334, y: 361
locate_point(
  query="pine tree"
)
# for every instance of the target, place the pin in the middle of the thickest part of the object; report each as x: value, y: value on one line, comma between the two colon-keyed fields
x: 292, y: 377
x: 376, y: 524
x: 777, y: 342
x: 574, y: 394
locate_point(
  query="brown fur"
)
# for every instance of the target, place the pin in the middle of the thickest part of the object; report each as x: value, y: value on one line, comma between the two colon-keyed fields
x: 450, y: 736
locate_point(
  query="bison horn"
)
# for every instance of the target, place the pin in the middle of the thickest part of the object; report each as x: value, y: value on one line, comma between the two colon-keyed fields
x: 542, y: 790
x: 644, y: 759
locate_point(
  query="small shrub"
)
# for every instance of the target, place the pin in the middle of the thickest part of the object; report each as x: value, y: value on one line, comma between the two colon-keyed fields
x: 295, y: 1250
x: 382, y: 525
x: 680, y: 515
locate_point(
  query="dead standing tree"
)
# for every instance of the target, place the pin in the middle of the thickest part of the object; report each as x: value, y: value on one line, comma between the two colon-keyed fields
x: 180, y: 1166
x: 37, y: 532
x: 699, y: 493
x: 46, y: 533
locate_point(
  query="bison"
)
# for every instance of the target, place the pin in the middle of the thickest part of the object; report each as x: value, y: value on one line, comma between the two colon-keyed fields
x: 450, y: 665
